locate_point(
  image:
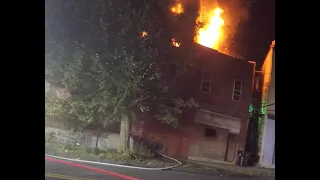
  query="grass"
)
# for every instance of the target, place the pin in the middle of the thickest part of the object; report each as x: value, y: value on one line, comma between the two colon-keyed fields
x: 102, y: 155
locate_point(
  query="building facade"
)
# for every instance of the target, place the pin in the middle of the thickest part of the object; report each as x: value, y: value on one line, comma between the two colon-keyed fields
x: 267, y: 152
x: 222, y: 86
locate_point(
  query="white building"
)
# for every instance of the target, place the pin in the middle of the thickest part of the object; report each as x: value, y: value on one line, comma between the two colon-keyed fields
x: 267, y: 153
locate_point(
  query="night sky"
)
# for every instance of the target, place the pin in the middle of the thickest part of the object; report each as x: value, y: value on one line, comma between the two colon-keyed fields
x: 255, y: 35
x: 252, y: 39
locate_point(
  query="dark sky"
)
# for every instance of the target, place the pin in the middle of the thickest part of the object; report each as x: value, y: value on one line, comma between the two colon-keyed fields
x: 256, y: 34
x: 253, y: 36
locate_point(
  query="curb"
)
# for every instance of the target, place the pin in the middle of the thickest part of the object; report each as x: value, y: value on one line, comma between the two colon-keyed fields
x: 119, y: 165
x: 222, y: 174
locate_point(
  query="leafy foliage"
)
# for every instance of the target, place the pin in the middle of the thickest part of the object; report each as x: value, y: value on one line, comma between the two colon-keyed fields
x: 114, y: 71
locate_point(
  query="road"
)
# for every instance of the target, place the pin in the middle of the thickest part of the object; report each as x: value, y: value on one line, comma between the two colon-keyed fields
x: 60, y: 169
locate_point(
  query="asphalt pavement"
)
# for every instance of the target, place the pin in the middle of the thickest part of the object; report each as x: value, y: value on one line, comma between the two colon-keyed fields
x: 59, y: 169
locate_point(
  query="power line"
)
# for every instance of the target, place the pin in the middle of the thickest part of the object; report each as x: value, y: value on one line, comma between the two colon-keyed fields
x: 270, y: 104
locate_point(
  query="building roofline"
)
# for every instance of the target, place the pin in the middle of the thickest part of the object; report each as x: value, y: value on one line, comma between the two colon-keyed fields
x: 273, y: 44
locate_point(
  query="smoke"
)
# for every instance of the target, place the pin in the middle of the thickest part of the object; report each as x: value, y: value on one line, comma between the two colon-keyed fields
x: 235, y: 12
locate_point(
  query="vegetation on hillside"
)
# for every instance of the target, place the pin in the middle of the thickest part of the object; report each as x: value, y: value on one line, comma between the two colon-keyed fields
x: 111, y: 72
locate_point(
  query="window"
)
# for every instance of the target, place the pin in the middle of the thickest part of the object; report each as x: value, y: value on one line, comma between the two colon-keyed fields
x: 206, y: 82
x: 237, y: 88
x: 210, y: 132
x: 232, y: 136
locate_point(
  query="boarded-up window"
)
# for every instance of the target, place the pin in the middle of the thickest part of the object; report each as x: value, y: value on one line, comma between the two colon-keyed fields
x: 206, y: 82
x: 237, y: 88
x: 232, y: 136
x: 210, y: 132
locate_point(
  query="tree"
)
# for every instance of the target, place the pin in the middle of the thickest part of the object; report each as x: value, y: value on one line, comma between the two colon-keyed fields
x: 118, y: 73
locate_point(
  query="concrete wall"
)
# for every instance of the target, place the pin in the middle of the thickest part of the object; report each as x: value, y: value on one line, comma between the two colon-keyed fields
x: 87, y: 140
x: 268, y: 80
x: 268, y: 143
x: 209, y: 148
x: 268, y: 98
x: 271, y: 89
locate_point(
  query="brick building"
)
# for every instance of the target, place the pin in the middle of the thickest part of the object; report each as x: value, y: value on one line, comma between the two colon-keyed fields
x: 222, y: 86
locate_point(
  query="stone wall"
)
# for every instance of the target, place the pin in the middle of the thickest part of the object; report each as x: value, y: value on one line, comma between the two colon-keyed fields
x: 84, y: 139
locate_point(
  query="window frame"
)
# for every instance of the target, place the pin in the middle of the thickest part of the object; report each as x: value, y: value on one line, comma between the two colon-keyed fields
x: 210, y: 132
x: 206, y: 81
x: 233, y: 90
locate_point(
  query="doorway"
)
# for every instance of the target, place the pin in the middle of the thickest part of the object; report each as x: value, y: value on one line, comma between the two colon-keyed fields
x: 231, y: 147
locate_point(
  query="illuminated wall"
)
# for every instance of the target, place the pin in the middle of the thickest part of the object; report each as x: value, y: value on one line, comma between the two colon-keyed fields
x: 268, y: 109
x: 271, y: 90
x: 268, y: 81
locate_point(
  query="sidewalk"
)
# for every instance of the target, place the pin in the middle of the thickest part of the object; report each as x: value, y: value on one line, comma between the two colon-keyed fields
x: 230, y: 170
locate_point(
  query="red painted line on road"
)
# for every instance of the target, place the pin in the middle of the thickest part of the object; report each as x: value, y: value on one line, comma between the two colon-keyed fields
x: 92, y: 168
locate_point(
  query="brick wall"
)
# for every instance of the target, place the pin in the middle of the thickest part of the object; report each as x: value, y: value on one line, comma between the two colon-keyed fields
x: 225, y: 70
x: 189, y: 140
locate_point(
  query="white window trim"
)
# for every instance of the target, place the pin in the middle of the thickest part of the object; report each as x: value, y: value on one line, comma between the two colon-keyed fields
x: 202, y: 81
x: 234, y: 84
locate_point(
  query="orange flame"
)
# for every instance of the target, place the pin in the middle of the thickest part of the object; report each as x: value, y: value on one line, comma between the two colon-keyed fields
x: 175, y: 42
x: 144, y: 34
x: 211, y: 33
x: 177, y: 8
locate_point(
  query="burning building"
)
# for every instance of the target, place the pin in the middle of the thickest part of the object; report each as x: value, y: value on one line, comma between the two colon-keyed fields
x: 221, y: 85
x: 218, y: 20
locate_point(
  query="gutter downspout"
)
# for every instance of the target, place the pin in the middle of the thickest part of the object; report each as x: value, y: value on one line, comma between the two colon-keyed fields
x: 254, y: 70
